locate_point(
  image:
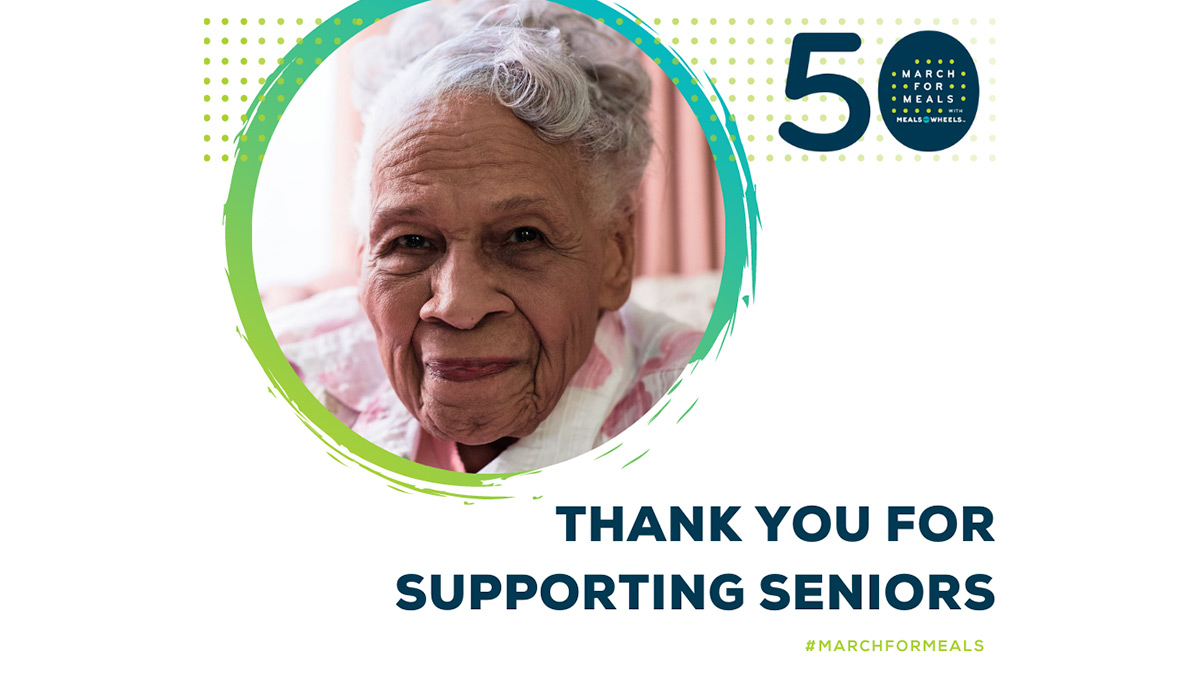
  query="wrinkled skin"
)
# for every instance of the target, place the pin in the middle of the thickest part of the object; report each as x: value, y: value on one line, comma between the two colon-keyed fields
x: 486, y: 270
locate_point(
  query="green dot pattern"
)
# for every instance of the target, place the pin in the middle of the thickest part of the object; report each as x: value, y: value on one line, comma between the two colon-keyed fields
x: 748, y: 55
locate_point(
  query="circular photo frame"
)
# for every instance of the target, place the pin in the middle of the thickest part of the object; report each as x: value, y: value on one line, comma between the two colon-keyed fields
x: 348, y: 447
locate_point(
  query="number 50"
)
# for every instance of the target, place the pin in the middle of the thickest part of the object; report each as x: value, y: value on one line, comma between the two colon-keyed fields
x: 801, y: 84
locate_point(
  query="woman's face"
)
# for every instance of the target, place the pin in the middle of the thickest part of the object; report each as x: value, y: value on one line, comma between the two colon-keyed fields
x: 486, y: 269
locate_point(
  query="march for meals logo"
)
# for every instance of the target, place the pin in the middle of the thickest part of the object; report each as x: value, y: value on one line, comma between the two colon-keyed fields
x: 928, y: 91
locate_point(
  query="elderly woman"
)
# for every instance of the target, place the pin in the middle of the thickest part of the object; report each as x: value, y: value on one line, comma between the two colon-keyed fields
x: 502, y: 151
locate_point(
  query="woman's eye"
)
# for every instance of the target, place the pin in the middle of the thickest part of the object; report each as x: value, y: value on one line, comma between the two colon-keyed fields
x: 413, y: 241
x: 525, y: 235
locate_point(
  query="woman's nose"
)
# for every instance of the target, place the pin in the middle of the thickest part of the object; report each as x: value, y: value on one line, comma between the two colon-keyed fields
x: 464, y: 291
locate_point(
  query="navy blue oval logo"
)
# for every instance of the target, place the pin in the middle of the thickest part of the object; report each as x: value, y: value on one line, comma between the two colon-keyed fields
x: 928, y: 91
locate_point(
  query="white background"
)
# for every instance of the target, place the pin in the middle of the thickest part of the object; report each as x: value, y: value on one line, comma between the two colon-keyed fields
x: 1019, y: 334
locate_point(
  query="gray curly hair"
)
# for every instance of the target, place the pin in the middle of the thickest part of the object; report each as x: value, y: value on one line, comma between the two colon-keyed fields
x: 567, y: 76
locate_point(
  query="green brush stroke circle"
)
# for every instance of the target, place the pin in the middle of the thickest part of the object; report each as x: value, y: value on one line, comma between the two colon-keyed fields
x: 346, y: 446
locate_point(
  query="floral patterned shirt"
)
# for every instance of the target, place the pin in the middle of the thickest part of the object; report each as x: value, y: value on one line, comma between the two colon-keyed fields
x: 636, y: 357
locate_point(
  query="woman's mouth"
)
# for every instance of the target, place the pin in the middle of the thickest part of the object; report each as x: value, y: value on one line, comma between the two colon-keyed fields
x: 460, y: 369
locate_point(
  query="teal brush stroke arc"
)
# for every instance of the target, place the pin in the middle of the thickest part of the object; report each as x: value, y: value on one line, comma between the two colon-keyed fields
x: 264, y: 114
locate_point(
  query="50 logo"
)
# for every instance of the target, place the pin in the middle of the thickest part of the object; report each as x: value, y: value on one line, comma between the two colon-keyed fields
x: 928, y: 91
